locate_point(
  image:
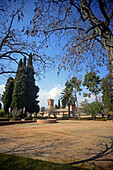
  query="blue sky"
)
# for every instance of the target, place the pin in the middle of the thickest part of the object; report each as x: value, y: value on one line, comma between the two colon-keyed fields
x: 52, y: 85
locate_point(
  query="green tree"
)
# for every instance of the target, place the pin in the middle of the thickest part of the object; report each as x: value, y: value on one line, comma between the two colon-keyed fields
x: 19, y: 92
x: 31, y: 89
x: 93, y: 109
x: 56, y: 107
x: 106, y: 91
x: 67, y: 97
x: 92, y: 83
x: 84, y: 103
x: 82, y: 29
x: 75, y: 84
x: 7, y: 95
x: 58, y: 103
x: 76, y: 87
x: 63, y: 104
x: 0, y: 105
x: 43, y: 109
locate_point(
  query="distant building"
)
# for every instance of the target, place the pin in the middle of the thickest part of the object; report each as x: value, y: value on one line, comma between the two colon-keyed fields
x: 74, y: 111
x: 50, y: 103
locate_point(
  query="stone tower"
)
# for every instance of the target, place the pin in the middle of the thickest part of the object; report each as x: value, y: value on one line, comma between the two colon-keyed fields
x: 50, y: 103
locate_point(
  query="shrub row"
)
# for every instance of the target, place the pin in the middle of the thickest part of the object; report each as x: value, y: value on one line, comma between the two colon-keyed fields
x: 4, y: 119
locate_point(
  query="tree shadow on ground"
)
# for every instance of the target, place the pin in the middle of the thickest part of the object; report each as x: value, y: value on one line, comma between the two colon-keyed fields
x: 101, y: 154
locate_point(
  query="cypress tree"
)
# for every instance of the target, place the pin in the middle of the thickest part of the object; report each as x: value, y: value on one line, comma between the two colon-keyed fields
x: 32, y: 90
x: 58, y: 104
x: 24, y: 62
x: 7, y: 95
x: 19, y: 92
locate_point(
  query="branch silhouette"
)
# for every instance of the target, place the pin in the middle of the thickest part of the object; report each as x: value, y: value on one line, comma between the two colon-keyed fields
x: 105, y: 152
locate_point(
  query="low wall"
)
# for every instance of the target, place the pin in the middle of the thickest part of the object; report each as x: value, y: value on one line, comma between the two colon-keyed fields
x: 43, y: 121
x: 16, y: 122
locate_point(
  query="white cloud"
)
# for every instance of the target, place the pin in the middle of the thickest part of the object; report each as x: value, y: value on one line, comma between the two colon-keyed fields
x: 90, y: 99
x: 2, y: 88
x: 54, y: 93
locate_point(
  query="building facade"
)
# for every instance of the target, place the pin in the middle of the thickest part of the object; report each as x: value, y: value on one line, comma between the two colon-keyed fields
x: 62, y: 112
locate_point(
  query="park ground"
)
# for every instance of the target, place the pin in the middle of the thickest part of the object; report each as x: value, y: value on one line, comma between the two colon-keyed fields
x: 86, y: 144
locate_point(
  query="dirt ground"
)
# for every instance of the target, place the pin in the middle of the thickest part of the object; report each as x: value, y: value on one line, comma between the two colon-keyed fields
x: 80, y: 143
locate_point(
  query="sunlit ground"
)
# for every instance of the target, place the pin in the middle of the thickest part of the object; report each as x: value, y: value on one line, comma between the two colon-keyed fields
x: 80, y: 143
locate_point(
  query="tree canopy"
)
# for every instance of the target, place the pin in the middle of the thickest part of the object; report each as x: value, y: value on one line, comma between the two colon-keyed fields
x: 7, y: 95
x: 19, y: 92
x: 75, y: 84
x: 93, y: 109
x: 92, y: 83
x: 67, y: 97
x: 22, y: 92
x: 83, y: 30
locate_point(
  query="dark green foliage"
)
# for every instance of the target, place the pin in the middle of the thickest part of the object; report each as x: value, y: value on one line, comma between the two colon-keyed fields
x: 19, y: 92
x: 106, y: 91
x: 93, y: 109
x: 31, y: 89
x: 0, y: 105
x: 25, y: 91
x: 4, y: 119
x: 69, y: 94
x: 56, y: 107
x: 58, y: 104
x: 84, y: 103
x: 92, y: 83
x: 43, y: 109
x: 7, y: 95
x: 75, y: 84
x: 67, y: 97
x: 63, y: 104
x: 24, y: 62
x: 2, y: 113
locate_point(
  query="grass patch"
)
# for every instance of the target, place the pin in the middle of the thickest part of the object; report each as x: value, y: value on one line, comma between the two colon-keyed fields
x: 8, y: 162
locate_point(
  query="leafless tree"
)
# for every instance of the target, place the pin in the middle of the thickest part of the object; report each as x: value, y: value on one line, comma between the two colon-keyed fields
x: 82, y: 28
x: 14, y: 44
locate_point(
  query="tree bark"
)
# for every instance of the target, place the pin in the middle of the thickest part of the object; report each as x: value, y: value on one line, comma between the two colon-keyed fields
x: 105, y: 34
x: 69, y: 110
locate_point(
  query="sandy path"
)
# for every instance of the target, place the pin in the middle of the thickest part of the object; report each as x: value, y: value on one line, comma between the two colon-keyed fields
x: 86, y: 143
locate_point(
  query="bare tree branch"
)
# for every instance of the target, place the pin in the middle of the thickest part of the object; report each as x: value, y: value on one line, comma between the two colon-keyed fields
x: 102, y: 5
x: 15, y: 45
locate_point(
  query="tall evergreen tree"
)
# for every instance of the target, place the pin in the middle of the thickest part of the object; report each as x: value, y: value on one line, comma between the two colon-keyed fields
x: 58, y: 103
x: 24, y: 62
x: 32, y: 90
x: 7, y: 95
x: 0, y: 105
x: 19, y: 92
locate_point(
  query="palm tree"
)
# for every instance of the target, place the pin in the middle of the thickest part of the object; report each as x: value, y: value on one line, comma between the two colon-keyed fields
x: 75, y: 84
x: 67, y: 97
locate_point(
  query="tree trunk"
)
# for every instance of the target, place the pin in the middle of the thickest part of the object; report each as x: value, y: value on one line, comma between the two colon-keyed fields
x: 105, y: 34
x: 108, y: 44
x: 96, y: 97
x: 69, y: 110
